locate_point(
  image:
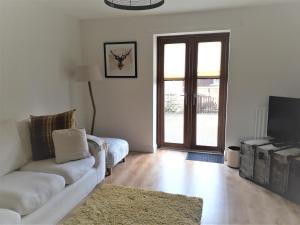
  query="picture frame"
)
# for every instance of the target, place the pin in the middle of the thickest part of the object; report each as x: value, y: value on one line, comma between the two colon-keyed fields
x: 120, y: 59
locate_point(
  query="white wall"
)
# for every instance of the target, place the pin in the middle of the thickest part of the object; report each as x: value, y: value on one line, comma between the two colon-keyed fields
x: 264, y: 60
x: 37, y: 47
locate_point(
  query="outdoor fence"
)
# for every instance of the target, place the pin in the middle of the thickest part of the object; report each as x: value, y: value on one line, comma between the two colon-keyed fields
x: 205, y: 104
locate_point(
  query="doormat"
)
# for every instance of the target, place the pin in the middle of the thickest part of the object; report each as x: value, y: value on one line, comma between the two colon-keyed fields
x: 205, y: 157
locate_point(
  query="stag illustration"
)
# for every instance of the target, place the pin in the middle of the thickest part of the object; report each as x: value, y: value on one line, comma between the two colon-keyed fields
x: 120, y: 58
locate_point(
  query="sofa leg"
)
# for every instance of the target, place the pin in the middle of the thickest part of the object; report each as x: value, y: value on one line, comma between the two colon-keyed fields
x: 123, y: 160
x: 108, y: 172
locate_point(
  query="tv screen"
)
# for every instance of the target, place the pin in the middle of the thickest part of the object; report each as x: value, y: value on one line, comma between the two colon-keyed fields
x: 284, y: 118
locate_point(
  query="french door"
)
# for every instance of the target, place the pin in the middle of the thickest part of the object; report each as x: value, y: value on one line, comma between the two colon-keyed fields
x: 192, y: 90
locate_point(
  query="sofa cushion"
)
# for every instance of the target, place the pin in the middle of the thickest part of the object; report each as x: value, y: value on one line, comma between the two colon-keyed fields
x: 9, y: 217
x: 41, y: 132
x: 70, y: 144
x: 11, y: 152
x: 24, y: 192
x: 71, y: 171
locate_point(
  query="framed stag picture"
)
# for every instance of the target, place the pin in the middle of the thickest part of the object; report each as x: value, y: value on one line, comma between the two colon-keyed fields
x: 120, y: 59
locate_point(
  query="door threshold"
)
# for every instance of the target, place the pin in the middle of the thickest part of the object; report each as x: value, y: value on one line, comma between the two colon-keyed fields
x: 190, y: 150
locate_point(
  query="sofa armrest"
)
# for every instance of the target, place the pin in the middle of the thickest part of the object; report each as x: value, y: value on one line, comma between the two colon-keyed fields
x: 98, y: 148
x: 9, y: 217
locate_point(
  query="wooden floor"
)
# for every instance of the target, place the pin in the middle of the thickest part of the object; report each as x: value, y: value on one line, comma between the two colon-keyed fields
x: 228, y: 199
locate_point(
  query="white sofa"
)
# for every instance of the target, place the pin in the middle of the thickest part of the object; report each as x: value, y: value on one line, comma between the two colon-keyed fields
x: 42, y: 192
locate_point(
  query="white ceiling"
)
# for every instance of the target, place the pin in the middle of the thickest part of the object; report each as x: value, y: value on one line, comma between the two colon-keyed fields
x: 91, y: 9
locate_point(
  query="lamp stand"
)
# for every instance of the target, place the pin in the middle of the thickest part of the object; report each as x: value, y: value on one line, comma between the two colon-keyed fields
x: 94, y: 107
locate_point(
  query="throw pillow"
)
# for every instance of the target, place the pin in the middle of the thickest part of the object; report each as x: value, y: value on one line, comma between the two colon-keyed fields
x: 70, y: 145
x: 41, y: 132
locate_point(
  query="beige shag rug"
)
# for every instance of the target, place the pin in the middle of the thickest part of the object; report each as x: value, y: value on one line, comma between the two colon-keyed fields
x: 114, y: 205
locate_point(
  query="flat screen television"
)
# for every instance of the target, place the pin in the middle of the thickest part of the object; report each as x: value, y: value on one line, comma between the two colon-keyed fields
x: 284, y: 118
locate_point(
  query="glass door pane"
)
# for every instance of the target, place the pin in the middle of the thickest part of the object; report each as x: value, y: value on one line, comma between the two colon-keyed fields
x: 209, y: 59
x: 174, y: 82
x: 174, y: 61
x: 174, y: 111
x: 207, y: 110
x: 207, y: 93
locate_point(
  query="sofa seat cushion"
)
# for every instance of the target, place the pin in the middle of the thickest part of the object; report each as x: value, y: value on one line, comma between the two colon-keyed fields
x: 25, y: 192
x: 118, y: 149
x: 9, y: 217
x: 71, y: 171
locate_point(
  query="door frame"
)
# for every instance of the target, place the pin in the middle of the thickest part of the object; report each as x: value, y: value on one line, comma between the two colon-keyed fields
x: 191, y: 87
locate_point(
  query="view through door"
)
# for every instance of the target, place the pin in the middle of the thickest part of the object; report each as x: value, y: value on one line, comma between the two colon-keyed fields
x: 192, y: 89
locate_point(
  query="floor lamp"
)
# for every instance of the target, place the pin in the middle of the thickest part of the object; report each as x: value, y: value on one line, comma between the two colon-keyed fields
x: 89, y: 73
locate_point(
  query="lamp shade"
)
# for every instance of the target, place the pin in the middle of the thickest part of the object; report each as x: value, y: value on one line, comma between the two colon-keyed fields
x: 88, y: 73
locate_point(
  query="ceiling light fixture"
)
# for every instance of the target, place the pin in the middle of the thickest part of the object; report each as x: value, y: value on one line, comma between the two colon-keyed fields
x: 134, y: 4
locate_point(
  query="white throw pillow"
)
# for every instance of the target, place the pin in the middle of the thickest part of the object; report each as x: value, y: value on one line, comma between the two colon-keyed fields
x: 12, y: 155
x: 70, y: 145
